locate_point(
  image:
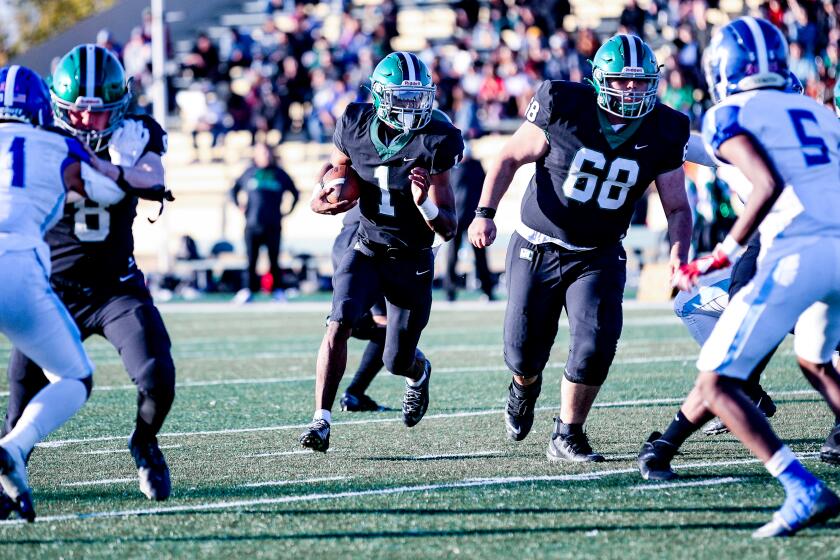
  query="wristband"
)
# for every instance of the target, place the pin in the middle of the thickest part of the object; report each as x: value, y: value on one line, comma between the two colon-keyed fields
x: 730, y: 247
x: 428, y: 209
x: 485, y: 212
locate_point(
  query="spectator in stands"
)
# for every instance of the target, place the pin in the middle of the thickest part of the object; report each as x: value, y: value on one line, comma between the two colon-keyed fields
x: 203, y: 60
x: 266, y: 184
x: 466, y: 180
x: 105, y: 39
x: 803, y: 66
x: 632, y: 19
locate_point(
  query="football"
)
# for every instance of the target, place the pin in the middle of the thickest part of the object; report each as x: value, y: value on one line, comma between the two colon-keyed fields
x: 344, y: 178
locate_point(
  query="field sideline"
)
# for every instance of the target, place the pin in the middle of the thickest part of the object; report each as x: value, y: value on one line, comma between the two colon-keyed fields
x: 452, y: 486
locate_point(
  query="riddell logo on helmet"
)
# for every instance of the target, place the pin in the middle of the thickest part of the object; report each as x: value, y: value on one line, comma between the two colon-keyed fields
x: 88, y: 102
x: 632, y: 70
x: 411, y: 83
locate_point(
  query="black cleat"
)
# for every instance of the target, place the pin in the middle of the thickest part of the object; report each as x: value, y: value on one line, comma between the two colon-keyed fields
x: 317, y: 436
x: 573, y: 447
x: 7, y: 506
x: 416, y: 399
x: 830, y: 450
x: 764, y: 403
x: 14, y: 483
x: 152, y: 469
x: 655, y: 459
x: 360, y: 403
x: 519, y: 412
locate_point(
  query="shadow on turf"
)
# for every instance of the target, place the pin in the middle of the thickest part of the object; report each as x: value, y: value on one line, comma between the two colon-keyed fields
x: 439, y: 458
x: 506, y: 531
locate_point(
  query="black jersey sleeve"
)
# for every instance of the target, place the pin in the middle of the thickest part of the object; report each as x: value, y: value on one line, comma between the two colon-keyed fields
x: 448, y: 151
x: 541, y: 108
x: 676, y: 131
x: 346, y: 124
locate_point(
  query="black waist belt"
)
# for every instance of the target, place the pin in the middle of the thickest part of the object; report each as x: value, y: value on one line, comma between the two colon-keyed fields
x: 387, y: 251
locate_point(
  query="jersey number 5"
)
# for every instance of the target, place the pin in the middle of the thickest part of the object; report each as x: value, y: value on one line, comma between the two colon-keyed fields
x: 582, y: 181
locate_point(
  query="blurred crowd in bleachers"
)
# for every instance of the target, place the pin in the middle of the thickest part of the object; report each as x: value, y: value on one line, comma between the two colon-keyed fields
x: 293, y: 75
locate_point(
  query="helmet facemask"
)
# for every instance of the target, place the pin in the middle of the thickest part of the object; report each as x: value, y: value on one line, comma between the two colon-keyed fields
x: 404, y: 107
x: 628, y: 104
x: 96, y: 139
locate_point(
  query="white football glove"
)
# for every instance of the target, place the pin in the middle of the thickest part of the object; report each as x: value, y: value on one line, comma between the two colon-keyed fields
x: 128, y: 143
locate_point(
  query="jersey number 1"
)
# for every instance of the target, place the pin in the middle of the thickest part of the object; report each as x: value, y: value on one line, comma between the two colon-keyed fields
x: 14, y: 163
x: 385, y: 206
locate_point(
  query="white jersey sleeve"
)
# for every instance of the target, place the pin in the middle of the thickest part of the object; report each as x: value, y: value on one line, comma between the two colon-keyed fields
x: 800, y: 140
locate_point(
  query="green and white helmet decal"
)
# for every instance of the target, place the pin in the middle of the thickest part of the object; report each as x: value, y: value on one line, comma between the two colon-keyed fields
x: 625, y: 57
x: 90, y: 78
x: 403, y: 92
x: 837, y: 98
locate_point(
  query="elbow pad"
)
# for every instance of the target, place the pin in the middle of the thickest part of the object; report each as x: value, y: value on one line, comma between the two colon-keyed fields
x: 100, y: 188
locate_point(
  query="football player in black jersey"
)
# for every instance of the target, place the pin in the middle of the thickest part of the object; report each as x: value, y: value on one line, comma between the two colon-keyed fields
x: 402, y: 149
x: 92, y: 251
x: 597, y: 147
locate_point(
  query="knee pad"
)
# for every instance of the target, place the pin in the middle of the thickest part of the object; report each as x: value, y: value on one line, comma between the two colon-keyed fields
x: 156, y: 380
x: 519, y: 365
x: 593, y: 377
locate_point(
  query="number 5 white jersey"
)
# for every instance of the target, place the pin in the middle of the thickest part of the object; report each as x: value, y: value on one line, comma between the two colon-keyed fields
x: 32, y: 191
x: 800, y: 138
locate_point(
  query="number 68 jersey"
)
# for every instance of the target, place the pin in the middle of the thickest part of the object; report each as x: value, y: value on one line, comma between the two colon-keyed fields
x: 586, y: 185
x: 94, y: 244
x: 800, y: 138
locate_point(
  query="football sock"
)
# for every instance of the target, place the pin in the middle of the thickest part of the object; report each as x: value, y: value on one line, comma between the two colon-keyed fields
x: 679, y: 430
x: 323, y: 414
x: 416, y: 384
x: 368, y: 368
x: 568, y: 429
x: 790, y: 473
x: 527, y: 391
x: 46, y: 412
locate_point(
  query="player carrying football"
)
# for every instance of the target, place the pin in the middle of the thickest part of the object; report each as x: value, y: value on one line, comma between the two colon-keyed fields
x: 402, y: 150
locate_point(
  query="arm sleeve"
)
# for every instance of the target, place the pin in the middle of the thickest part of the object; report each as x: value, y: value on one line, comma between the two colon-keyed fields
x: 448, y: 152
x: 338, y: 135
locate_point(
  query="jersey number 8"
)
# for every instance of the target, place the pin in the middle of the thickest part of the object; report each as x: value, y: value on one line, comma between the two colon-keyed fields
x: 581, y: 185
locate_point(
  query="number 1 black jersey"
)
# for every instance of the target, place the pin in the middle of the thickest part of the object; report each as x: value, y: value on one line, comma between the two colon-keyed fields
x: 92, y: 244
x: 586, y: 185
x: 388, y: 213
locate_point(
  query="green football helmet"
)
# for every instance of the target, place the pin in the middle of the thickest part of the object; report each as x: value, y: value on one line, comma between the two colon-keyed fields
x: 89, y: 79
x: 625, y: 57
x: 403, y: 92
x: 837, y: 98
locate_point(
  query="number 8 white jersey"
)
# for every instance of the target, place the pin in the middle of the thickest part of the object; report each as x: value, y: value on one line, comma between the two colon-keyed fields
x: 800, y: 138
x: 32, y: 191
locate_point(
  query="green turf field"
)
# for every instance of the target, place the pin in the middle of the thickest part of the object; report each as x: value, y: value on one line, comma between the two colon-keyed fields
x: 451, y: 487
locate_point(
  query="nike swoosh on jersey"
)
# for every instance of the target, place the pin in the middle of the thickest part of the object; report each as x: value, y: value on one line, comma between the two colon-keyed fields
x: 640, y: 147
x: 409, y: 159
x: 422, y: 273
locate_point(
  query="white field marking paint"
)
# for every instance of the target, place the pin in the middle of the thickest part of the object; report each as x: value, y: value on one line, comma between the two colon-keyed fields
x: 283, y: 453
x: 615, y: 404
x: 466, y: 483
x: 287, y: 482
x: 101, y: 482
x: 451, y: 455
x: 126, y: 450
x: 470, y: 369
x: 708, y: 482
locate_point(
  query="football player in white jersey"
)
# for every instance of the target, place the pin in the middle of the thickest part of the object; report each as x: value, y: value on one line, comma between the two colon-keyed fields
x: 787, y: 147
x: 38, y: 169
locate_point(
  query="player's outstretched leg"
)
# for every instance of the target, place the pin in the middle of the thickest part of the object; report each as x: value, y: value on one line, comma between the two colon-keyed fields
x: 519, y: 411
x: 152, y: 469
x: 808, y: 500
x: 14, y: 483
x: 416, y: 396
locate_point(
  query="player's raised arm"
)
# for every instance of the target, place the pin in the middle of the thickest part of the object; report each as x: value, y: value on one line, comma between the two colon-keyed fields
x: 527, y: 145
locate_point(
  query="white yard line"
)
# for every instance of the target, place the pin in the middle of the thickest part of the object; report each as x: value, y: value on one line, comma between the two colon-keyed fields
x: 707, y: 482
x: 288, y: 482
x: 465, y: 414
x: 101, y: 482
x: 126, y: 450
x: 451, y: 455
x: 467, y: 483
